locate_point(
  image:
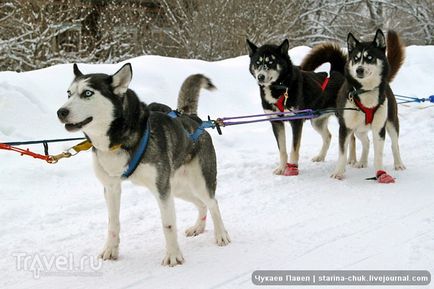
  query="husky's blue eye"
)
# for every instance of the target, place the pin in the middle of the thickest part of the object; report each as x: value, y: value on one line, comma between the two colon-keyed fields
x: 87, y: 93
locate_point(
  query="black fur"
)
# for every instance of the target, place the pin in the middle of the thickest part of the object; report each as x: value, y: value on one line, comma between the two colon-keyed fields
x: 303, y: 87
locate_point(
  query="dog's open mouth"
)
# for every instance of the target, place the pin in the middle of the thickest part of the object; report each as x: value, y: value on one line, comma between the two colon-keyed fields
x: 77, y: 126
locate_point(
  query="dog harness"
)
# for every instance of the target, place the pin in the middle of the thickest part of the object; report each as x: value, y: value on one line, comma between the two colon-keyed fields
x: 281, y: 102
x: 368, y: 111
x: 138, y: 154
x: 194, y: 136
x: 143, y: 144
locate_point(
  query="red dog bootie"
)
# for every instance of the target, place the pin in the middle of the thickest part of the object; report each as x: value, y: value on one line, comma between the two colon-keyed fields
x: 384, y: 178
x: 291, y: 170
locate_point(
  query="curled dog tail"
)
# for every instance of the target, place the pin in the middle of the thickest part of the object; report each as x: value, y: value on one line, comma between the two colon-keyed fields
x: 323, y: 53
x: 188, y: 97
x: 395, y: 53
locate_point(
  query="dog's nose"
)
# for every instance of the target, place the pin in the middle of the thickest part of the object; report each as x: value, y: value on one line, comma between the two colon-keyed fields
x: 62, y: 113
x: 261, y: 77
x: 360, y: 70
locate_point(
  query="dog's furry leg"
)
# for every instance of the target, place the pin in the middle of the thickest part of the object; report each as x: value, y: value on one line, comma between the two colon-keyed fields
x: 199, y: 226
x: 363, y: 162
x: 344, y: 137
x: 321, y: 126
x: 112, y: 194
x: 204, y: 189
x: 167, y: 209
x: 352, y: 157
x: 279, y: 134
x: 220, y: 233
x: 297, y: 128
x: 393, y: 132
x: 378, y: 136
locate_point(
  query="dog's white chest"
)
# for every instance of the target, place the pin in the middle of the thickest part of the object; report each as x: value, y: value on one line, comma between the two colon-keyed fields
x: 356, y: 119
x: 267, y: 95
x: 112, y: 162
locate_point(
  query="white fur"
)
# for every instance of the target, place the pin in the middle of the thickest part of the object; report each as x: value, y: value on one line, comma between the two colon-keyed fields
x: 271, y: 75
x: 370, y: 79
x: 96, y: 106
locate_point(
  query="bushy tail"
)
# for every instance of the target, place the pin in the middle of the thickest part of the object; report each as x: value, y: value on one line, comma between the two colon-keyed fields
x: 395, y: 53
x: 323, y: 53
x: 188, y: 97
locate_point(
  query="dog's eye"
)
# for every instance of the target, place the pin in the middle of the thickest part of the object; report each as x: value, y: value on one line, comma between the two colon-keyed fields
x: 87, y: 93
x: 369, y: 57
x: 270, y: 62
x: 258, y: 62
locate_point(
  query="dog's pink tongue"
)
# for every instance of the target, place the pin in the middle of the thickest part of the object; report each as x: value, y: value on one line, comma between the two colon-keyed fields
x: 384, y: 178
x: 291, y: 170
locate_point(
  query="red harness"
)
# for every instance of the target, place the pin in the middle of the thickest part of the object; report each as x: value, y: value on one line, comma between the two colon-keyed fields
x: 281, y: 102
x: 368, y: 111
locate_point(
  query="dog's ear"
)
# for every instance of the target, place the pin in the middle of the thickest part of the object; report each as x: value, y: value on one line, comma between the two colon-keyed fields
x: 284, y: 47
x: 352, y: 42
x: 77, y: 71
x: 121, y: 79
x: 252, y: 47
x: 380, y: 40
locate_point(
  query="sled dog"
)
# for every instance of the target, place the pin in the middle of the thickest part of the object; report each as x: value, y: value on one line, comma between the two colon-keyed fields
x: 366, y: 101
x: 172, y: 165
x: 284, y: 87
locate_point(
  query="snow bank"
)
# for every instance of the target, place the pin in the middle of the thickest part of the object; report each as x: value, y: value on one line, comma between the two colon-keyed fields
x: 304, y: 222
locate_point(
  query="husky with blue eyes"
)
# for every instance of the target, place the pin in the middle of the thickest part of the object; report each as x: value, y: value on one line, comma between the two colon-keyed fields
x: 284, y: 87
x: 150, y: 145
x: 366, y: 101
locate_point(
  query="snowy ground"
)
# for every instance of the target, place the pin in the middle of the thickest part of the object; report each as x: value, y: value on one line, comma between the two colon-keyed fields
x: 304, y: 222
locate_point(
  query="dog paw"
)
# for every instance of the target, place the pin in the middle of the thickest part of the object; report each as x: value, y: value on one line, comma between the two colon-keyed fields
x: 279, y: 170
x: 352, y: 162
x: 195, y: 230
x: 173, y: 259
x: 338, y: 176
x: 400, y: 167
x: 110, y: 252
x: 222, y: 238
x: 360, y: 165
x: 318, y: 158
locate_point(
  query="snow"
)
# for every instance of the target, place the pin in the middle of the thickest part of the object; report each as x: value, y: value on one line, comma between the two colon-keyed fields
x: 287, y: 223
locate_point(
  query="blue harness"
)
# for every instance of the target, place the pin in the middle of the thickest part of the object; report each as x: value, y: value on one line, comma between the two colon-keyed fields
x: 143, y: 144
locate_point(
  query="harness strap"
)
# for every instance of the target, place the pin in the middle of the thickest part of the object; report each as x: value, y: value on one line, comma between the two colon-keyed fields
x: 281, y: 101
x: 138, y: 154
x: 368, y: 111
x: 194, y: 136
x: 325, y: 83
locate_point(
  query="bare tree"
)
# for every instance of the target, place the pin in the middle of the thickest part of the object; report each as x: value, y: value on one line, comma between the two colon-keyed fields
x: 39, y: 33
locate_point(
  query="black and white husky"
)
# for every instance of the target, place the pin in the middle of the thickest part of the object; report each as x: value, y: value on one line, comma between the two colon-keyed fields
x: 366, y: 101
x: 114, y: 119
x: 284, y: 86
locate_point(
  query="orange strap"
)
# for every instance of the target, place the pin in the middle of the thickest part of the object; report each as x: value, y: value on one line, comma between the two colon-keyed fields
x: 26, y: 152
